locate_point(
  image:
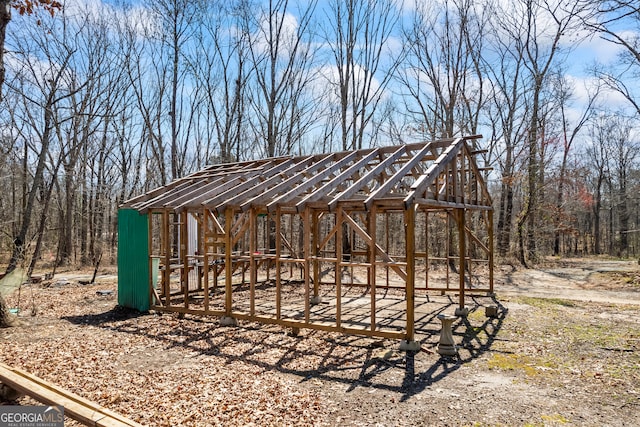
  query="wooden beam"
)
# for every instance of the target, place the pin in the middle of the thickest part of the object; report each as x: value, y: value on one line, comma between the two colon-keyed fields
x: 305, y: 185
x: 166, y: 282
x: 316, y: 249
x: 339, y: 179
x: 206, y: 214
x: 228, y: 266
x: 338, y: 268
x: 372, y: 260
x: 370, y: 241
x: 203, y: 189
x: 366, y: 179
x: 278, y: 262
x: 156, y: 201
x: 274, y: 177
x: 265, y: 197
x: 462, y: 249
x: 306, y: 253
x: 410, y: 242
x: 399, y: 175
x: 184, y: 252
x: 75, y: 407
x: 434, y: 170
x: 253, y: 267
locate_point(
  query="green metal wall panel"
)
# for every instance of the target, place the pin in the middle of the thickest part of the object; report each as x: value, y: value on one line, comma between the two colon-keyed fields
x: 133, y: 260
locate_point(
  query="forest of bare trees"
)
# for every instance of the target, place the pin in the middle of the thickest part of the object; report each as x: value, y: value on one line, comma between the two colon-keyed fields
x: 104, y: 100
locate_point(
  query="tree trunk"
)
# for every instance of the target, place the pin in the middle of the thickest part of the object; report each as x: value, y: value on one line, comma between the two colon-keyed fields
x: 505, y: 218
x: 5, y: 17
x: 559, y: 202
x: 5, y: 316
x: 19, y: 242
x: 43, y: 221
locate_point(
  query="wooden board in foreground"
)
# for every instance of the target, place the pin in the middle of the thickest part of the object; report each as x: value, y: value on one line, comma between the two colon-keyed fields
x: 75, y: 407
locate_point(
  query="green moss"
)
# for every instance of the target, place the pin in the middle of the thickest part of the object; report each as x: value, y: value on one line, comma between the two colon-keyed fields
x: 555, y: 418
x: 547, y: 302
x: 531, y: 366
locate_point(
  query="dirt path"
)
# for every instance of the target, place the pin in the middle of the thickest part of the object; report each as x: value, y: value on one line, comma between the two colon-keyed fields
x: 589, y: 280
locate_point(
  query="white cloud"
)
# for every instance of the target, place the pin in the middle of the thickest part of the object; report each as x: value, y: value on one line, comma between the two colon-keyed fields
x: 268, y: 27
x: 330, y: 79
x: 140, y: 19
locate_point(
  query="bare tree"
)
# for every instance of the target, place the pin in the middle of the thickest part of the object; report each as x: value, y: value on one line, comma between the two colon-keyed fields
x: 623, y: 147
x: 600, y: 129
x: 539, y: 27
x: 446, y: 84
x: 358, y: 33
x: 607, y: 20
x: 43, y: 85
x: 508, y: 114
x: 24, y: 7
x: 177, y: 17
x: 281, y: 55
x: 158, y: 71
x: 563, y: 94
x: 221, y: 66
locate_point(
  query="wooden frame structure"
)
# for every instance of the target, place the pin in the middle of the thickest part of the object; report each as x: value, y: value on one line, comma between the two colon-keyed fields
x: 322, y: 241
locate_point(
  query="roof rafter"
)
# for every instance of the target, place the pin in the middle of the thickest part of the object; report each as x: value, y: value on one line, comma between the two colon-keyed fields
x: 431, y: 174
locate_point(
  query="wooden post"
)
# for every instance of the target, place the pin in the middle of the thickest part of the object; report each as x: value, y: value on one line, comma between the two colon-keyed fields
x: 228, y: 267
x: 205, y: 256
x: 490, y: 231
x: 184, y: 260
x: 448, y: 245
x: 426, y: 249
x: 278, y: 263
x: 372, y: 261
x: 314, y: 253
x: 200, y: 230
x: 307, y: 253
x: 386, y: 226
x: 253, y: 247
x: 167, y: 258
x: 410, y: 242
x: 462, y: 248
x: 216, y: 249
x: 338, y: 272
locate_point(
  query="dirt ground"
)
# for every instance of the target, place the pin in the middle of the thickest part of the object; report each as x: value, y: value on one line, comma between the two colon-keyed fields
x: 563, y: 350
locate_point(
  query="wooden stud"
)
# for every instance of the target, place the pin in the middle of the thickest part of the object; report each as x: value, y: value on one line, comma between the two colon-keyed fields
x: 205, y: 255
x: 167, y: 257
x: 278, y: 262
x: 253, y: 270
x: 410, y: 242
x: 184, y: 253
x: 228, y: 262
x: 373, y: 213
x: 490, y: 232
x: 386, y: 225
x: 306, y: 253
x: 462, y: 248
x: 76, y: 407
x: 314, y: 254
x: 426, y: 249
x: 338, y: 270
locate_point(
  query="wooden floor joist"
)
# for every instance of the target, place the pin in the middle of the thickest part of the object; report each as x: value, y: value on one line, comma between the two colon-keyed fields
x: 75, y: 407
